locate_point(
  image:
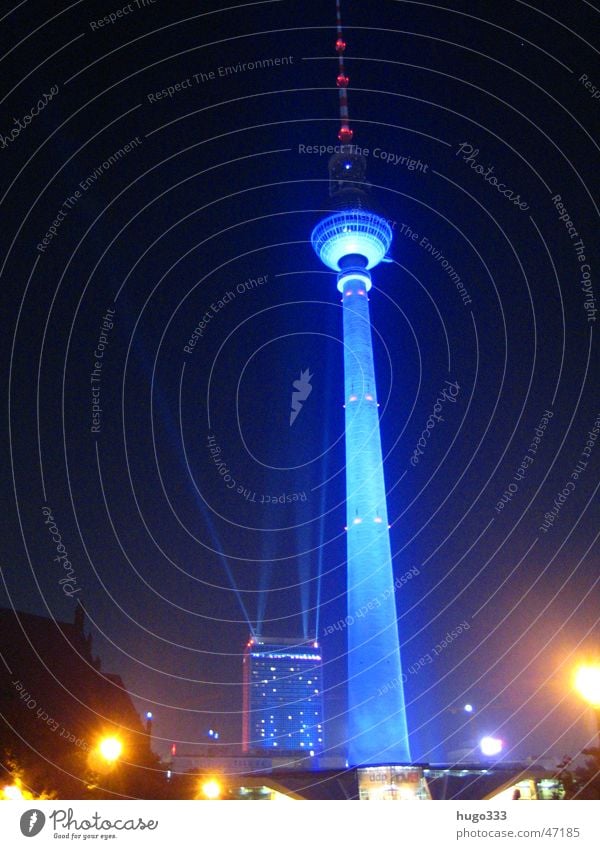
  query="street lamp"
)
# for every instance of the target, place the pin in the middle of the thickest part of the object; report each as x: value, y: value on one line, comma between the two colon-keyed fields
x: 587, y: 684
x: 211, y: 789
x: 490, y: 746
x: 110, y: 749
x: 13, y: 793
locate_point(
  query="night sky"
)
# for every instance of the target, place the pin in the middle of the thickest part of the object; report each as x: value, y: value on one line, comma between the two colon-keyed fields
x: 479, y: 121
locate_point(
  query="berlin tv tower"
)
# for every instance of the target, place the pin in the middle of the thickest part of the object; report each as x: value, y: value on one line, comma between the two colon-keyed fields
x: 351, y: 241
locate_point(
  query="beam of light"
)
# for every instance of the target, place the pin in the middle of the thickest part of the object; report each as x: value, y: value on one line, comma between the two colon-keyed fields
x: 304, y: 574
x: 216, y: 542
x: 304, y: 547
x: 261, y: 599
x: 265, y: 576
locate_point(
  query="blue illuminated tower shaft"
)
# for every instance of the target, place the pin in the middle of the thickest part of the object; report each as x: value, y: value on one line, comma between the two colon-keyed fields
x: 351, y: 241
x: 377, y: 730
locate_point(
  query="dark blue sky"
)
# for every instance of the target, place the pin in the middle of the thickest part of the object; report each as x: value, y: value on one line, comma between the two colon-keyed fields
x: 217, y: 190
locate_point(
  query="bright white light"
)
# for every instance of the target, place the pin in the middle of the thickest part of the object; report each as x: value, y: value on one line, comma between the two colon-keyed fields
x: 211, y: 789
x: 110, y: 748
x: 468, y: 708
x: 490, y: 746
x: 12, y: 793
x: 587, y: 683
x: 148, y: 714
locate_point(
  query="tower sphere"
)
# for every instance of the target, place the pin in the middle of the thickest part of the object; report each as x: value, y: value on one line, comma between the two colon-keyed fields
x: 351, y: 232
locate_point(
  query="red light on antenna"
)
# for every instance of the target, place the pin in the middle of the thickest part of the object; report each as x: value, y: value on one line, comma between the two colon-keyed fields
x: 342, y: 81
x: 340, y: 45
x: 345, y: 135
x: 174, y: 749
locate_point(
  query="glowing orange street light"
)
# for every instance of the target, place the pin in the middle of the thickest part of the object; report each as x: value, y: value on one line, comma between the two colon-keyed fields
x: 587, y: 684
x: 12, y: 792
x: 211, y: 789
x: 110, y: 749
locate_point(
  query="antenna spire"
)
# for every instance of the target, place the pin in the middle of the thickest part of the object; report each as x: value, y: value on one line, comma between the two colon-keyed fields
x: 345, y: 134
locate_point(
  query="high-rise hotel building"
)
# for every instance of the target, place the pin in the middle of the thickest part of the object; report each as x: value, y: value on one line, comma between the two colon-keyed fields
x: 283, y: 696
